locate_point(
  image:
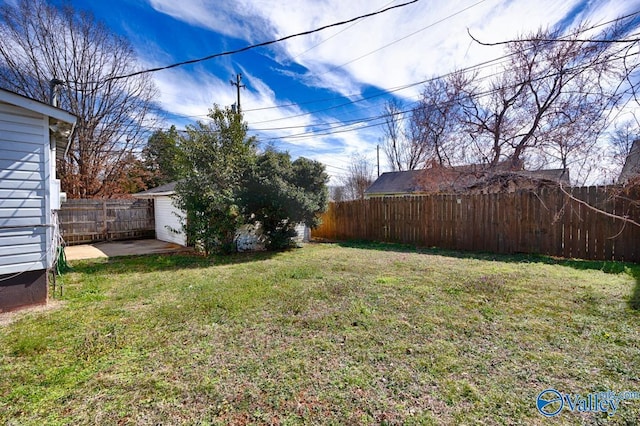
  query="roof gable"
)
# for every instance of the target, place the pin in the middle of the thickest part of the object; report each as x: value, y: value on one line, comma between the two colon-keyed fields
x: 632, y: 163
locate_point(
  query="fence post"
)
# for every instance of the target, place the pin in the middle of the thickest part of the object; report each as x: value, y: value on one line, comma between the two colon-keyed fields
x: 105, y: 234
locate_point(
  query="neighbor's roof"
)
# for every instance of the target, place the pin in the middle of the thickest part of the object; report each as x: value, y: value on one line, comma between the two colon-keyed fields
x: 631, y: 164
x: 451, y: 178
x: 432, y: 179
x: 162, y: 190
x: 395, y: 183
x: 556, y: 175
x: 56, y: 115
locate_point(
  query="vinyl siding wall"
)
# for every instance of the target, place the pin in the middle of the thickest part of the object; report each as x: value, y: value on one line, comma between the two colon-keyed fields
x: 25, y: 174
x: 166, y: 219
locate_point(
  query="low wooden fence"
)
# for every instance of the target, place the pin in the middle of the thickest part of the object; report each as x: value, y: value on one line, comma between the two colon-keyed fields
x: 85, y: 221
x: 548, y: 221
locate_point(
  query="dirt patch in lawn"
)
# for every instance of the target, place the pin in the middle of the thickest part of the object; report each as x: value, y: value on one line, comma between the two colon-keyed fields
x: 7, y: 318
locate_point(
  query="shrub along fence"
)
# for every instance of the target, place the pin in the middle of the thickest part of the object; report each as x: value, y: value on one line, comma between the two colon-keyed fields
x: 547, y: 221
x: 85, y: 221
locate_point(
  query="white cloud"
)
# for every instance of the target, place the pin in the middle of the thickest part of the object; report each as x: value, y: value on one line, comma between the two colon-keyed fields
x: 347, y: 57
x: 238, y: 19
x: 191, y: 93
x: 399, y: 47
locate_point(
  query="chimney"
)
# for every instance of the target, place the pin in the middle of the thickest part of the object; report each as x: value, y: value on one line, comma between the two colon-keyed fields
x: 53, y: 91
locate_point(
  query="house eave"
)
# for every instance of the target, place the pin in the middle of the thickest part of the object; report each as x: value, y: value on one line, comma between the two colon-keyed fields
x: 37, y: 106
x: 154, y: 195
x: 61, y: 122
x: 389, y: 194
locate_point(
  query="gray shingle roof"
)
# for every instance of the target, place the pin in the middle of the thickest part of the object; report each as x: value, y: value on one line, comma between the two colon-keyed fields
x: 395, y: 182
x: 167, y: 189
x: 450, y: 178
x: 556, y: 175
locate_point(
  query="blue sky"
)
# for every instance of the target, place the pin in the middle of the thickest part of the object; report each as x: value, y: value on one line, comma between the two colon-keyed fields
x: 297, y: 89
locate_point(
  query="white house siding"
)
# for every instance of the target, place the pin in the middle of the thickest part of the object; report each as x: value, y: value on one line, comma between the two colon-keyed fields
x: 167, y: 221
x: 25, y: 173
x: 304, y: 233
x: 249, y: 238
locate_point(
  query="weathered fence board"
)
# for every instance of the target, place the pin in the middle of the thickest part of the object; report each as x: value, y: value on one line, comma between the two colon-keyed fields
x: 85, y: 221
x: 548, y: 221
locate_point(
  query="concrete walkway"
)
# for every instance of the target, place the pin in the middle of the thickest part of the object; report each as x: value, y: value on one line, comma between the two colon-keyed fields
x: 121, y: 248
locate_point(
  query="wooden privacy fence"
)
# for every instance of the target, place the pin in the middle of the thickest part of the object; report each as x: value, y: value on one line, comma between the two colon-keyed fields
x: 547, y: 221
x: 84, y: 221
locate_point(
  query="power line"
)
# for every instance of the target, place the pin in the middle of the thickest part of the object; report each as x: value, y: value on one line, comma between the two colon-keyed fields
x: 339, y: 32
x: 556, y: 40
x: 331, y: 127
x: 342, y: 123
x: 386, y: 91
x: 383, y: 91
x: 306, y: 135
x: 476, y: 67
x: 565, y: 39
x: 405, y: 37
x: 253, y: 46
x: 335, y: 167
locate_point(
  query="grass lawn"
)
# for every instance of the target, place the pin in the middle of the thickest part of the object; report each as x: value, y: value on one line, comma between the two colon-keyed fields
x: 327, y: 334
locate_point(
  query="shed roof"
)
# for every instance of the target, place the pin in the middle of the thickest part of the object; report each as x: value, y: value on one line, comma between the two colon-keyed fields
x: 162, y: 190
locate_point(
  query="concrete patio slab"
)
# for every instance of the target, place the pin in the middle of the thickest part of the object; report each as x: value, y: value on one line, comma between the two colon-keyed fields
x: 121, y: 248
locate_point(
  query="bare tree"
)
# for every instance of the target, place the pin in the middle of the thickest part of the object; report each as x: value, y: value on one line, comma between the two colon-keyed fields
x: 620, y: 142
x: 403, y: 138
x: 38, y: 43
x: 438, y: 116
x: 550, y: 103
x: 359, y: 177
x: 337, y: 193
x: 428, y: 133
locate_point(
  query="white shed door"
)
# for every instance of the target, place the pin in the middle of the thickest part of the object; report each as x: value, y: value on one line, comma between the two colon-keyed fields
x: 168, y: 222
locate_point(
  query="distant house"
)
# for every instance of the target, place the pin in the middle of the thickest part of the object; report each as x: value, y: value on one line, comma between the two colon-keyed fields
x: 458, y: 179
x: 32, y: 136
x: 168, y: 218
x: 393, y: 184
x: 631, y: 167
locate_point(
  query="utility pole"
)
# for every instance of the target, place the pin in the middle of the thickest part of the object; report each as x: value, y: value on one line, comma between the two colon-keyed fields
x: 239, y: 85
x: 378, y: 152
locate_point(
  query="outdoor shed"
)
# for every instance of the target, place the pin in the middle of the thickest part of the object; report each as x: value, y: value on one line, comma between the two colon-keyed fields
x: 167, y: 216
x: 32, y: 135
x: 169, y: 227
